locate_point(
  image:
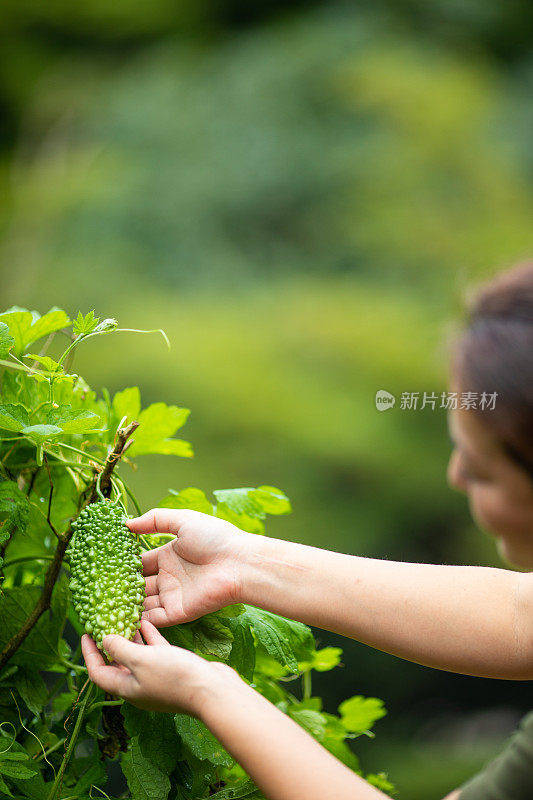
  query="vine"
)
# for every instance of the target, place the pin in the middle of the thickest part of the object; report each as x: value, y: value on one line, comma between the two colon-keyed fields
x: 63, y: 446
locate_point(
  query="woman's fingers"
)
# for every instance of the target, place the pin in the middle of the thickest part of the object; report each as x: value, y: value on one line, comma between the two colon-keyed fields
x: 122, y: 650
x: 150, y: 561
x: 158, y: 520
x: 151, y: 634
x: 158, y: 617
x: 151, y: 585
x: 110, y: 679
x: 152, y: 601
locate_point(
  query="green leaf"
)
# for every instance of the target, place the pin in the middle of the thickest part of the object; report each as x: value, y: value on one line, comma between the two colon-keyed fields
x: 127, y: 404
x: 85, y: 324
x: 90, y: 771
x: 240, y: 501
x: 159, y: 741
x: 29, y: 326
x: 213, y: 637
x: 271, y: 500
x: 13, y: 417
x: 322, y: 660
x: 247, y: 790
x: 71, y: 420
x: 312, y: 721
x: 188, y: 498
x: 255, y: 503
x: 380, y: 781
x: 358, y: 714
x: 242, y: 656
x: 145, y: 780
x: 179, y: 635
x: 244, y: 522
x: 11, y: 765
x: 201, y: 741
x: 285, y: 640
x: 6, y: 340
x: 5, y: 788
x: 41, y: 433
x: 157, y: 424
x: 48, y: 363
x: 32, y: 689
x: 41, y: 645
x: 15, y: 506
x: 157, y: 736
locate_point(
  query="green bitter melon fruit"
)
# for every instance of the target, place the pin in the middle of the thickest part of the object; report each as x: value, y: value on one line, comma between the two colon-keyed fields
x: 107, y: 585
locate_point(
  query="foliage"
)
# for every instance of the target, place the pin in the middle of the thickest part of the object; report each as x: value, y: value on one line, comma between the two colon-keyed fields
x: 56, y: 436
x: 333, y: 144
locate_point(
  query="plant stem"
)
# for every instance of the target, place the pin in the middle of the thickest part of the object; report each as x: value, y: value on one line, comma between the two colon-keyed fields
x: 52, y: 749
x: 76, y: 450
x: 306, y: 685
x: 71, y: 744
x: 103, y: 703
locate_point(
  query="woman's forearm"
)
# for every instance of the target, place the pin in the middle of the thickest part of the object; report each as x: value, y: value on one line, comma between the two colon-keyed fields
x: 283, y: 760
x: 471, y: 620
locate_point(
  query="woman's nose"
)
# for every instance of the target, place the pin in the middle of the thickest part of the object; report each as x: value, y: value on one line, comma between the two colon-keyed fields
x: 453, y: 473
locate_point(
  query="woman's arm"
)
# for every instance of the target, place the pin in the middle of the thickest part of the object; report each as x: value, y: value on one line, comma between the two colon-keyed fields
x: 471, y: 620
x: 281, y: 758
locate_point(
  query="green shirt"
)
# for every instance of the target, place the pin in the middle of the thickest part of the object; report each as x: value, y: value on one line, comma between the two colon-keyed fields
x: 510, y: 775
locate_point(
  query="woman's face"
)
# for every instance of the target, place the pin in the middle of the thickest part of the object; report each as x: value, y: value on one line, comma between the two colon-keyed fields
x: 500, y: 493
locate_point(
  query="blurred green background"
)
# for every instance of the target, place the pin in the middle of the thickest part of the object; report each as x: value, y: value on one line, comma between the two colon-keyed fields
x: 300, y: 195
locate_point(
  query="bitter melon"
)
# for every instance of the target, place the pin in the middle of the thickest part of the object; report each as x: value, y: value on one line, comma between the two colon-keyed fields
x: 106, y: 572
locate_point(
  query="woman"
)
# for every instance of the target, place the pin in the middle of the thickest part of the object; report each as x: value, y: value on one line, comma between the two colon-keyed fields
x: 471, y: 620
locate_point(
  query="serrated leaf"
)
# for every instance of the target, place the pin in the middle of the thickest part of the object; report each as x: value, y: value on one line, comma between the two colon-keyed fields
x: 242, y: 655
x: 201, y: 741
x: 188, y: 498
x: 32, y: 689
x: 271, y: 500
x: 213, y: 637
x: 5, y: 788
x: 71, y: 420
x: 240, y: 501
x: 285, y: 640
x: 6, y: 340
x: 48, y: 363
x: 85, y: 324
x: 15, y: 769
x: 145, y: 780
x: 127, y: 403
x: 29, y: 326
x: 322, y: 660
x: 91, y: 772
x: 157, y: 424
x: 244, y: 522
x: 247, y: 790
x: 312, y: 721
x: 15, y: 505
x: 41, y: 645
x: 41, y: 433
x: 179, y: 635
x: 13, y: 417
x: 358, y: 714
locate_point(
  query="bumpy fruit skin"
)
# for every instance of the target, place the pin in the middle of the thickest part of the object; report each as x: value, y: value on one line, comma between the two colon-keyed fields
x: 107, y: 585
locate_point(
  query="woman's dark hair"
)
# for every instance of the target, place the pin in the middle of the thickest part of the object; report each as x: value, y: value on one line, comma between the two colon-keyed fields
x: 495, y: 354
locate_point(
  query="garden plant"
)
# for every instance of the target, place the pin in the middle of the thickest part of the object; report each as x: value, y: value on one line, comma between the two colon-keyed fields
x: 63, y: 448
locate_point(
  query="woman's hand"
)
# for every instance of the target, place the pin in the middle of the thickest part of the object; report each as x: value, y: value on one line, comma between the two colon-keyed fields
x: 157, y: 677
x: 197, y: 572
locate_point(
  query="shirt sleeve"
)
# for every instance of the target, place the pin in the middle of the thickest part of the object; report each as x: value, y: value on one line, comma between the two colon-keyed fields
x: 510, y: 775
